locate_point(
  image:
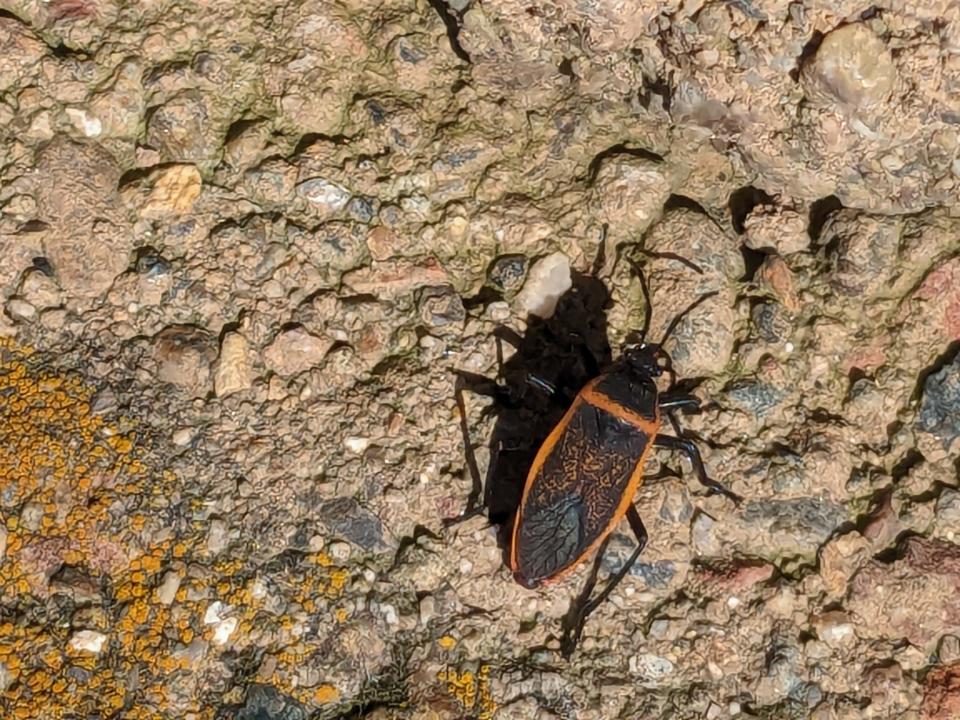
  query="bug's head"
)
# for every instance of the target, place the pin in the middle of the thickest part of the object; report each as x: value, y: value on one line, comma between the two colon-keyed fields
x: 646, y: 358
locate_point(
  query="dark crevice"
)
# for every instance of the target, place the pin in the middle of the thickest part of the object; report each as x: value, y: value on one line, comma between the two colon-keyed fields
x: 913, y: 458
x: 230, y: 327
x: 310, y: 138
x: 656, y: 87
x: 237, y: 129
x: 33, y: 226
x: 359, y: 299
x: 682, y: 202
x: 853, y: 379
x: 62, y: 52
x: 41, y: 264
x: 483, y: 298
x: 409, y: 541
x: 820, y: 212
x: 898, y: 550
x: 452, y: 24
x: 10, y: 16
x: 808, y: 51
x: 619, y: 149
x: 752, y: 260
x: 742, y: 202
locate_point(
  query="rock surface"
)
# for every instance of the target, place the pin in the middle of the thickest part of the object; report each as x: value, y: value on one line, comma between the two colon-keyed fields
x: 250, y: 253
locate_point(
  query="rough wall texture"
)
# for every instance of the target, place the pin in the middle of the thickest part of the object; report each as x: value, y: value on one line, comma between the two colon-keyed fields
x: 245, y: 247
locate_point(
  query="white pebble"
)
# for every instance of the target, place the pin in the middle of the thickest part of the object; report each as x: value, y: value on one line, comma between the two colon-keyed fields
x: 390, y: 614
x: 88, y: 641
x: 339, y: 551
x: 167, y: 591
x: 355, y: 444
x: 182, y: 436
x: 548, y: 280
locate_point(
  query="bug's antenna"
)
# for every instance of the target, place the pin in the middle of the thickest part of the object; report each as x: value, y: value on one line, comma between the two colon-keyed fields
x: 647, y: 303
x: 680, y: 316
x: 672, y: 256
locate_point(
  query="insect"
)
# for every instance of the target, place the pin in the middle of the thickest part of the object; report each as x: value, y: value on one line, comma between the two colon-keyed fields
x: 583, y: 478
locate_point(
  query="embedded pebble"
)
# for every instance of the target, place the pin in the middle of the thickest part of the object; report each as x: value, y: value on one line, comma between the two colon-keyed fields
x: 940, y: 407
x: 546, y: 282
x: 324, y: 194
x: 87, y: 641
x: 234, y: 371
x: 852, y: 66
x: 295, y: 351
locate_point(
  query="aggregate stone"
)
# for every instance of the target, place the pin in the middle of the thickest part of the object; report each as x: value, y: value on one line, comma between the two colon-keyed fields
x: 263, y: 702
x: 796, y: 525
x: 183, y: 131
x: 914, y: 596
x: 851, y: 66
x: 346, y: 518
x: 91, y: 238
x: 940, y: 408
x: 247, y: 249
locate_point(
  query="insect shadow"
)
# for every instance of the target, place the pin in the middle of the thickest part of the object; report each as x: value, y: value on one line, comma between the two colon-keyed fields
x: 559, y: 353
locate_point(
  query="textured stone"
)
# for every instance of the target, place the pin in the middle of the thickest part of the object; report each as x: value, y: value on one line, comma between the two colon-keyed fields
x: 703, y: 340
x: 941, y: 693
x: 345, y: 518
x: 940, y: 408
x: 852, y: 67
x: 914, y: 597
x: 90, y: 239
x: 175, y: 188
x: 184, y: 354
x: 183, y: 131
x: 294, y: 351
x: 234, y: 371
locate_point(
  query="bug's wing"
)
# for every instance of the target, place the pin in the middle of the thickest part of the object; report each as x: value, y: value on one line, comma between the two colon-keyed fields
x: 577, y: 492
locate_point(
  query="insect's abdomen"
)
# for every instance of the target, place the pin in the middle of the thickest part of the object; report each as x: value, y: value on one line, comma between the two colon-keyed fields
x: 579, y: 486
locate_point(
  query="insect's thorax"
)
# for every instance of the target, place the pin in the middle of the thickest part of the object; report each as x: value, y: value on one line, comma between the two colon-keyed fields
x: 623, y: 388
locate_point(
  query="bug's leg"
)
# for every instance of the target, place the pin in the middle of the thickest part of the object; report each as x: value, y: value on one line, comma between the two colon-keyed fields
x: 584, y: 606
x: 541, y: 384
x: 590, y: 361
x: 557, y: 394
x: 490, y: 388
x: 473, y: 506
x: 689, y: 448
x: 679, y: 402
x: 575, y: 618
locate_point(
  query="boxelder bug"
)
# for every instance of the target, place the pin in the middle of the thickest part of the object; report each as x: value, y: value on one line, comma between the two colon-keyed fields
x: 583, y: 478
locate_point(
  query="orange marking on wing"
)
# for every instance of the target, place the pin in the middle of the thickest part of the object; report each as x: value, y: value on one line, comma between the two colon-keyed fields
x: 635, y: 479
x: 596, y: 398
x: 538, y: 461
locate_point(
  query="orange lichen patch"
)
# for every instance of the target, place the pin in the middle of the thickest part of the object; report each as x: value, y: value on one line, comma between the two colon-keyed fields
x: 471, y: 690
x: 83, y: 512
x: 447, y: 642
x: 326, y: 694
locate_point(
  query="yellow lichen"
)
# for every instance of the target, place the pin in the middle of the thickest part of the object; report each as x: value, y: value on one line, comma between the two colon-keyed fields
x: 471, y: 690
x: 92, y: 499
x: 326, y: 694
